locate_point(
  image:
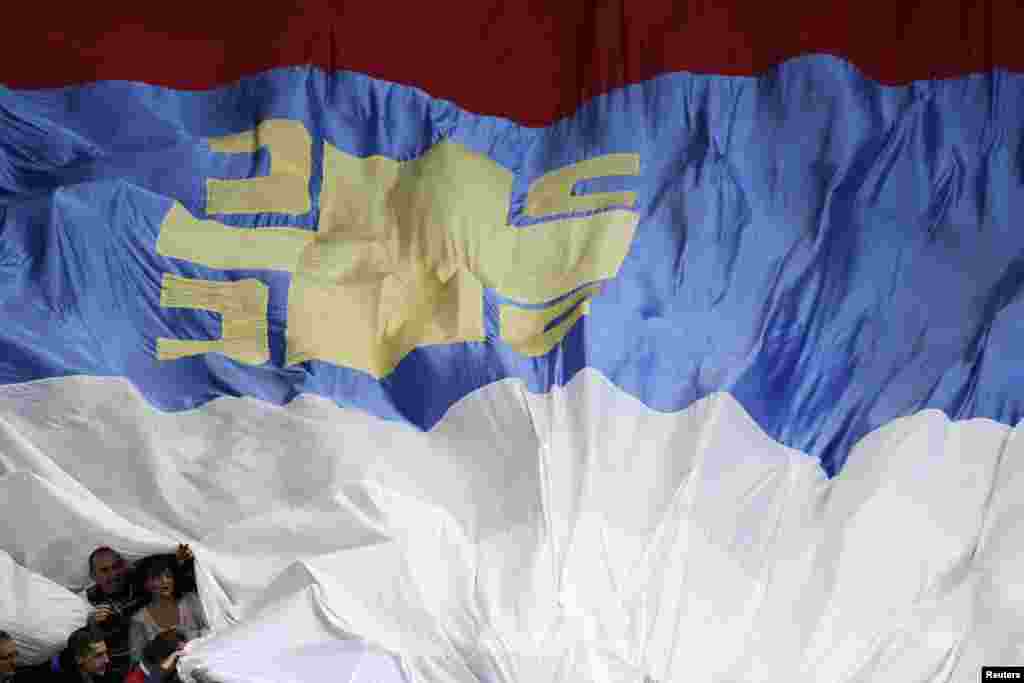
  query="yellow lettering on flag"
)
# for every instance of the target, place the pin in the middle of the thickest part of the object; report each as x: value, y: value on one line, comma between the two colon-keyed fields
x: 524, y: 329
x: 242, y: 306
x: 404, y: 249
x: 285, y: 190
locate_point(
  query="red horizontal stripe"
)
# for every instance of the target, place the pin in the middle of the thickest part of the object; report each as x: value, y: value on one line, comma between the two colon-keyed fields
x: 529, y: 60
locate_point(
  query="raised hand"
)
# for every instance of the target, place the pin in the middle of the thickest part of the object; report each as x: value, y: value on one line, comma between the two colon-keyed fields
x: 183, y: 554
x: 168, y: 664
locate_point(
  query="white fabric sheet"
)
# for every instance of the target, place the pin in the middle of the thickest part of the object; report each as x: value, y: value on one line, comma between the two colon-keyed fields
x: 576, y: 536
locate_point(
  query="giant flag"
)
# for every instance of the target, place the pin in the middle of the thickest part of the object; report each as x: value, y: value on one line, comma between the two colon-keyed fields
x: 583, y: 342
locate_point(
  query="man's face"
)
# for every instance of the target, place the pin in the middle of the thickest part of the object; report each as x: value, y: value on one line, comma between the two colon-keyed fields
x: 97, y: 662
x: 8, y: 656
x: 109, y: 570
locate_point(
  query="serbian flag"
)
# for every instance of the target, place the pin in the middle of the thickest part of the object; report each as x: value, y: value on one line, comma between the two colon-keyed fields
x: 574, y: 341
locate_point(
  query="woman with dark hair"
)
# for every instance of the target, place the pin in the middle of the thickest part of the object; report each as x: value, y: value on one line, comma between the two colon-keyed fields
x: 169, y: 611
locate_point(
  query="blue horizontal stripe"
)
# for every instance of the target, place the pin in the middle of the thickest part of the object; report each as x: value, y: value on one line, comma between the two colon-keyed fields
x: 835, y: 253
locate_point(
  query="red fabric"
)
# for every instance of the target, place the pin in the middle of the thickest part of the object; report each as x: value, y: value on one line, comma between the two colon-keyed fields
x: 135, y: 676
x: 530, y: 60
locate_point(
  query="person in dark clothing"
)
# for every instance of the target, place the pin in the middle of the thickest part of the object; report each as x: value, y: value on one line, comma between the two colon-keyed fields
x: 159, y: 661
x: 118, y: 595
x: 85, y: 660
x: 10, y: 672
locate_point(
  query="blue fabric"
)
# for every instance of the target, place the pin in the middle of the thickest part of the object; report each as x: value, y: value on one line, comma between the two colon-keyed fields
x: 835, y: 253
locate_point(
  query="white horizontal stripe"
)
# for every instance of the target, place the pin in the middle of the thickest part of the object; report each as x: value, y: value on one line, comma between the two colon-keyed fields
x: 576, y: 533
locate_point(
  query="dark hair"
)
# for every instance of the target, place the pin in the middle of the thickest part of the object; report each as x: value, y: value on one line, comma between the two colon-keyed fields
x: 92, y: 558
x: 81, y: 641
x: 4, y: 635
x: 158, y: 565
x: 154, y: 566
